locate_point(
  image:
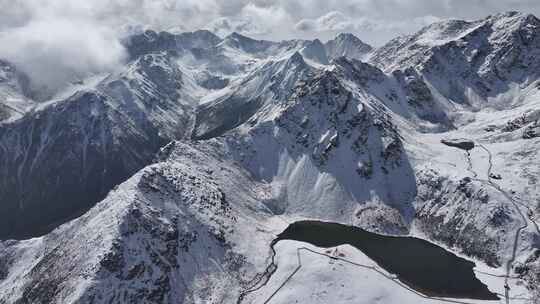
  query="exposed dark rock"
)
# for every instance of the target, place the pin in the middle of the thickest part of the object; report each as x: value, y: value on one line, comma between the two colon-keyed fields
x: 464, y: 144
x: 4, y: 270
x: 500, y: 216
x: 532, y: 131
x: 495, y: 176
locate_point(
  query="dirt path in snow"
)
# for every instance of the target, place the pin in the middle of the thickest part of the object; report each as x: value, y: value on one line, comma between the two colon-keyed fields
x: 496, y: 186
x: 261, y: 279
x: 366, y: 267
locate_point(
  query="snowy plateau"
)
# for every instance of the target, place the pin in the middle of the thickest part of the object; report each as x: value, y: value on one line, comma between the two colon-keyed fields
x: 168, y: 181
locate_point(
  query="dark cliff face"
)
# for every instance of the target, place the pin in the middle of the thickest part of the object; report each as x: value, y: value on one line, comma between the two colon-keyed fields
x: 59, y: 161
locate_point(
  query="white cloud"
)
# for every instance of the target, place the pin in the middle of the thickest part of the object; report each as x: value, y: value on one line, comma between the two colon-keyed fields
x: 54, y: 52
x: 55, y: 39
x: 224, y: 26
x: 336, y: 22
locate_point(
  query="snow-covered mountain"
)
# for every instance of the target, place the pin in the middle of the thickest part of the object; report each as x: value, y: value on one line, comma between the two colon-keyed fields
x: 203, y: 149
x: 347, y: 45
x: 64, y: 155
x: 470, y: 62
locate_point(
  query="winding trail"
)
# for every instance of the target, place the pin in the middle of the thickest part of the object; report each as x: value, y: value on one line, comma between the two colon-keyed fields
x: 261, y: 279
x: 515, y: 204
x: 367, y: 267
x: 530, y: 212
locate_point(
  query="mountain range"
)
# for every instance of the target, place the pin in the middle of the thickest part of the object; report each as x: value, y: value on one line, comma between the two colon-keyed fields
x: 167, y: 180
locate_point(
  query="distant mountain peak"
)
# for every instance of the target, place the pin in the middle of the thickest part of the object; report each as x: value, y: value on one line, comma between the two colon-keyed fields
x: 317, y: 42
x: 511, y: 21
x: 315, y: 51
x: 508, y: 37
x: 246, y: 44
x: 297, y: 58
x: 348, y: 36
x: 236, y: 35
x: 348, y: 45
x: 151, y: 41
x: 241, y: 38
x: 508, y: 14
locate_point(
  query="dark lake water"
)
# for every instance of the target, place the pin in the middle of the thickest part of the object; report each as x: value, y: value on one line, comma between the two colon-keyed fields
x: 419, y: 264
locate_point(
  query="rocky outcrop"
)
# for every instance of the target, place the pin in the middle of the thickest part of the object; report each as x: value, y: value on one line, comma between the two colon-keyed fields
x: 460, y: 143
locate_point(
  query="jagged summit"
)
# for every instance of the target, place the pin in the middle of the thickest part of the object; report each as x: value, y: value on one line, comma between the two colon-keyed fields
x: 297, y: 58
x: 245, y: 43
x: 315, y: 50
x: 480, y: 57
x: 151, y: 41
x: 497, y: 31
x: 513, y: 15
x: 267, y: 86
x: 347, y: 44
x: 450, y: 30
x: 239, y: 37
x: 346, y: 36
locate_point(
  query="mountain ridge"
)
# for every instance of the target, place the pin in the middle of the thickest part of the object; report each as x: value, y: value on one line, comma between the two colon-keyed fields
x: 220, y: 143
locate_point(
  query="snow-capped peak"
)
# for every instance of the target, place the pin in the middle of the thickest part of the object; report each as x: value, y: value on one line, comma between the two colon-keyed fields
x: 246, y: 44
x: 498, y: 32
x: 151, y: 41
x: 348, y: 45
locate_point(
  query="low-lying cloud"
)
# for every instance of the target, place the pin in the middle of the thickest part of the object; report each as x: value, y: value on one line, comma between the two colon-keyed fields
x: 56, y: 41
x: 55, y: 44
x: 55, y: 52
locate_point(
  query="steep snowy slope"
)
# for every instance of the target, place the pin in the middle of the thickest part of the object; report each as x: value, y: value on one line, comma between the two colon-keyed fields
x: 157, y: 238
x: 326, y: 150
x: 471, y: 63
x: 65, y: 155
x: 264, y: 87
